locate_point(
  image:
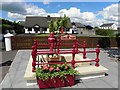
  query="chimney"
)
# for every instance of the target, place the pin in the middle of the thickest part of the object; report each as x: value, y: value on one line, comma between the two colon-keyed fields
x: 48, y: 17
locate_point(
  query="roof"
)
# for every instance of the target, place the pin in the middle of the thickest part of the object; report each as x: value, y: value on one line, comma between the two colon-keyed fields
x: 78, y: 25
x: 106, y: 24
x: 31, y: 21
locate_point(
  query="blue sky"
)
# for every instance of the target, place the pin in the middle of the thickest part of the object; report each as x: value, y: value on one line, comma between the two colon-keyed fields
x: 84, y: 6
x: 87, y: 12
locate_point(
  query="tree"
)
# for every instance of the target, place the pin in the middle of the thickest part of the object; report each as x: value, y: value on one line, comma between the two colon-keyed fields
x: 57, y: 25
x: 8, y: 25
x: 105, y: 32
x: 51, y: 26
x: 64, y: 22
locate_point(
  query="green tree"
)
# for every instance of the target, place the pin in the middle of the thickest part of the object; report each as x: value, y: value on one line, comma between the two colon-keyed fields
x: 57, y: 25
x: 51, y: 26
x: 8, y: 25
x: 105, y: 32
x: 64, y: 22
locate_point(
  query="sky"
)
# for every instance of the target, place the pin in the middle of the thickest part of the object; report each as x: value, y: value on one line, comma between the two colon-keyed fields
x: 88, y: 13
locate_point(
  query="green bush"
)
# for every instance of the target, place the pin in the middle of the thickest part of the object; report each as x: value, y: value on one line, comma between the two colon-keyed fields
x: 105, y: 32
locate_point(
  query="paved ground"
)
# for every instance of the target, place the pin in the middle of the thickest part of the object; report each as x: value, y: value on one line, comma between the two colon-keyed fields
x: 5, y: 61
x: 14, y: 78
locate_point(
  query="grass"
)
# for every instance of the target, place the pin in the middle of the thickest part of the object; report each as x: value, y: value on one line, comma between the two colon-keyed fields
x: 46, y: 34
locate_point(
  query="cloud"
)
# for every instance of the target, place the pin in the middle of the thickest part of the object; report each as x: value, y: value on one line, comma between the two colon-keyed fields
x: 77, y: 16
x: 72, y: 12
x: 16, y: 16
x: 11, y: 1
x: 110, y: 12
x: 34, y: 10
x: 30, y: 10
x: 14, y: 7
x: 88, y: 15
x: 46, y: 1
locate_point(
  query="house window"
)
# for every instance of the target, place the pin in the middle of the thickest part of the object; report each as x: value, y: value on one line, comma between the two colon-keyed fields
x: 67, y: 30
x: 36, y: 29
x: 44, y: 29
x: 29, y: 29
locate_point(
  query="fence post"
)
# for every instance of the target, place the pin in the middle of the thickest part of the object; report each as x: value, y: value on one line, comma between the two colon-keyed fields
x: 84, y: 48
x: 76, y: 46
x: 35, y: 44
x: 97, y: 56
x: 73, y: 57
x: 51, y: 41
x: 34, y: 58
x: 58, y: 45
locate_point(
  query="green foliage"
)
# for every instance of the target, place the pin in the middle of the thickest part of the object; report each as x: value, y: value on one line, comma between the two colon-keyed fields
x: 46, y: 73
x: 8, y: 25
x: 54, y: 26
x: 57, y: 25
x: 105, y: 32
x: 64, y: 22
x: 51, y: 26
x: 118, y: 35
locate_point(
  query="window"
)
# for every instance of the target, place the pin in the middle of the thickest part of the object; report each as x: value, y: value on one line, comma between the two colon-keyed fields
x: 29, y: 29
x: 44, y: 29
x: 67, y: 30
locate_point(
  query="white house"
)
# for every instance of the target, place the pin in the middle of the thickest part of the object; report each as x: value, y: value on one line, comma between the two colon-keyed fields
x: 108, y: 26
x: 39, y: 24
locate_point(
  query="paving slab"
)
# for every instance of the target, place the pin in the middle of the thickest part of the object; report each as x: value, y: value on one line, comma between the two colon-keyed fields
x: 5, y: 62
x: 97, y: 83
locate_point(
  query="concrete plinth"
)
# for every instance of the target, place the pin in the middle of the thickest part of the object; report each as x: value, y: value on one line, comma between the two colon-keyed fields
x: 85, y: 69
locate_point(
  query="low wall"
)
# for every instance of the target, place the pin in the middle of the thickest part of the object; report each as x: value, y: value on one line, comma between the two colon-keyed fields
x: 26, y: 42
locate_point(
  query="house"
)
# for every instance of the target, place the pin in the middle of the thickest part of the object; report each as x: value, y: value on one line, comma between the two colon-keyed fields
x: 40, y: 24
x: 82, y: 29
x: 77, y: 27
x: 111, y: 26
x: 108, y: 26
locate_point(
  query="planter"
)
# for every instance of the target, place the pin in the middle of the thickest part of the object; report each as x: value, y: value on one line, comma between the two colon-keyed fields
x: 57, y: 58
x: 56, y: 82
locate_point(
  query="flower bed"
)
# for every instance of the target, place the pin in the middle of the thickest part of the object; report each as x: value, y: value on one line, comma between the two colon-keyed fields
x: 55, y: 76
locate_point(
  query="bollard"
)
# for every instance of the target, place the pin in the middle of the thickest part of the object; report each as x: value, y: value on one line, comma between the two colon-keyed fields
x: 8, y: 41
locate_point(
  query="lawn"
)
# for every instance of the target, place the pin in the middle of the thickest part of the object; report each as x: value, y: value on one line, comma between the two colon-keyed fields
x: 46, y: 34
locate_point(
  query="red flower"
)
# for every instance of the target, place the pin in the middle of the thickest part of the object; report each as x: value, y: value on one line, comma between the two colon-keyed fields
x: 57, y: 69
x: 66, y: 67
x: 45, y: 67
x: 51, y: 68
